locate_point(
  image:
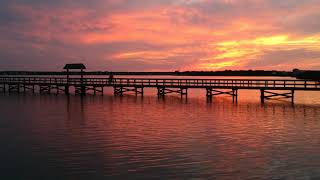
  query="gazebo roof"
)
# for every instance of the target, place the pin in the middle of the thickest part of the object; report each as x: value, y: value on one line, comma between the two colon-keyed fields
x: 75, y: 66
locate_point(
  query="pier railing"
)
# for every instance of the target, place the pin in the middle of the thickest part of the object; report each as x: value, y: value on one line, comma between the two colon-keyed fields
x: 237, y: 83
x: 156, y: 82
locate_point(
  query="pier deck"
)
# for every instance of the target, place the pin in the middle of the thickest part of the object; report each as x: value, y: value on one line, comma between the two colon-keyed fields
x: 213, y: 87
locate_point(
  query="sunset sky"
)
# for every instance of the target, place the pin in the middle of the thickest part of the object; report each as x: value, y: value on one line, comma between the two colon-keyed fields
x: 160, y: 35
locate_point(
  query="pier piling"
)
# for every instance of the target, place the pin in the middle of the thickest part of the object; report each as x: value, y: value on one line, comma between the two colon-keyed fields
x: 162, y: 91
x: 268, y: 95
x: 210, y: 92
x: 66, y: 90
x: 262, y: 95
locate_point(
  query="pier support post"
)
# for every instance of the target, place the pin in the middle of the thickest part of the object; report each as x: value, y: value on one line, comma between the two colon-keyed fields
x: 14, y: 88
x: 67, y: 90
x: 9, y: 88
x: 118, y: 91
x: 162, y: 91
x: 27, y: 87
x: 234, y: 95
x: 209, y: 94
x: 83, y: 90
x: 24, y: 88
x: 18, y: 88
x: 45, y: 89
x: 121, y: 90
x: 213, y: 92
x: 93, y: 90
x: 268, y: 95
x: 184, y: 92
x: 58, y: 89
x: 262, y: 95
x: 3, y: 88
x: 139, y: 90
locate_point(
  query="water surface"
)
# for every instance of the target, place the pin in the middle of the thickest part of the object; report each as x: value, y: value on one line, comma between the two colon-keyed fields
x: 95, y: 137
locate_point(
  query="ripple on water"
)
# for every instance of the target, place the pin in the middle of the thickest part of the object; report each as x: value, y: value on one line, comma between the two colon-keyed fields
x: 112, y: 137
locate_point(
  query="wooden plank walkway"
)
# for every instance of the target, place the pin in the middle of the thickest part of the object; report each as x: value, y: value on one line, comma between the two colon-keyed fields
x: 213, y: 87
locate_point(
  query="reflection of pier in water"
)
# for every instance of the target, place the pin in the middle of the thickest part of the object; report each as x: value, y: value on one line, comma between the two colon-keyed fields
x: 268, y: 88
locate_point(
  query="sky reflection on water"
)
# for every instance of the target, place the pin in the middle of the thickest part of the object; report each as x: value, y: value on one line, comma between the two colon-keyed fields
x: 52, y: 137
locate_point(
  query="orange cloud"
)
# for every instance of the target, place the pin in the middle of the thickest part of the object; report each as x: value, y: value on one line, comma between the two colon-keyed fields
x: 216, y: 66
x: 149, y: 27
x: 153, y: 55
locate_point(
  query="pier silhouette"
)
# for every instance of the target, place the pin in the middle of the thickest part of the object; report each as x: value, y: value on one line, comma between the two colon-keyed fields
x: 82, y: 86
x: 269, y: 88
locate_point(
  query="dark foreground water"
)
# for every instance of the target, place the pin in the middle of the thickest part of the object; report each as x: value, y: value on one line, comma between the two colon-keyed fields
x: 55, y: 137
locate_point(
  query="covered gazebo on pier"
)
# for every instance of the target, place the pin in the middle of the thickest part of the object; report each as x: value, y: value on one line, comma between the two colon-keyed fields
x: 75, y: 66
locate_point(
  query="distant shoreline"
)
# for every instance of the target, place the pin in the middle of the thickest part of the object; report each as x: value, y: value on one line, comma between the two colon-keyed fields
x: 299, y: 74
x: 176, y: 73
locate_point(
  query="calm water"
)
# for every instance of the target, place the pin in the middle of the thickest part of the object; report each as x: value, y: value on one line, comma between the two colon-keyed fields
x: 55, y: 137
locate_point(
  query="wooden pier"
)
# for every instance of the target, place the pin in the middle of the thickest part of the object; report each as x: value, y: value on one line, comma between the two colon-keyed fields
x: 269, y: 89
